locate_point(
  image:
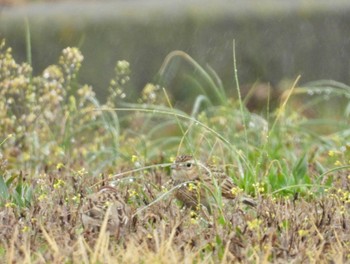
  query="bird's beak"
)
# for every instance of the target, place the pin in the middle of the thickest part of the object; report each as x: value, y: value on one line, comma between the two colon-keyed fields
x: 174, y: 166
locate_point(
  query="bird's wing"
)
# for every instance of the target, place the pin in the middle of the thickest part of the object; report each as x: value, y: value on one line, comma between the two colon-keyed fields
x: 223, y: 181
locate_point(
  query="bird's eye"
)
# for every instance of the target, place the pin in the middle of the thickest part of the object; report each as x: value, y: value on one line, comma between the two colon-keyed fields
x: 188, y: 164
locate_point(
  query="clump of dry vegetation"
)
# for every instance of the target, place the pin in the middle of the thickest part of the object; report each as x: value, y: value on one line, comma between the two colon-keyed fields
x: 59, y: 144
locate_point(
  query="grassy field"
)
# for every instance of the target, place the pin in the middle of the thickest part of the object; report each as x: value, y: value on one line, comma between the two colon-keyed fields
x: 59, y: 143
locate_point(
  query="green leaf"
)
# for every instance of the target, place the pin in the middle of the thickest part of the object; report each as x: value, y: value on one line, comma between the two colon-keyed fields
x: 10, y: 180
x: 4, y: 193
x: 300, y: 169
x: 222, y: 220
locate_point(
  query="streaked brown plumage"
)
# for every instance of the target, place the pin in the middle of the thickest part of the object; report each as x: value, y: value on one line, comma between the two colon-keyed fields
x: 95, y: 207
x: 204, y: 179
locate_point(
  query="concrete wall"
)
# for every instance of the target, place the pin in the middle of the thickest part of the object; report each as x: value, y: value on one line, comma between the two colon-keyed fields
x: 275, y: 40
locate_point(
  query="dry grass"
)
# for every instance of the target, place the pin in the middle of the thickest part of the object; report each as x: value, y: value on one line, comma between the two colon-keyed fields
x: 278, y: 230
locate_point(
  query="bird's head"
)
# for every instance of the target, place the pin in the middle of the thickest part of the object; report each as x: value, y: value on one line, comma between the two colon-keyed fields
x: 185, y: 168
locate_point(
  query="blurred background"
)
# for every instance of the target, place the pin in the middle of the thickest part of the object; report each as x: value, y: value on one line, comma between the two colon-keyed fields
x: 275, y: 41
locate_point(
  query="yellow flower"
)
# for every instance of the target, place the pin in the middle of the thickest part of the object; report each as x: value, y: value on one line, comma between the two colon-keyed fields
x: 107, y: 204
x: 254, y: 224
x: 25, y: 229
x: 26, y: 156
x: 134, y: 158
x: 302, y: 232
x: 76, y: 198
x: 331, y: 153
x: 81, y: 172
x: 10, y: 205
x: 42, y: 197
x: 214, y: 159
x: 194, y: 217
x: 149, y: 92
x: 193, y: 214
x: 337, y: 163
x: 58, y: 184
x: 59, y: 166
x: 122, y: 66
x: 194, y: 221
x: 259, y: 187
x: 132, y: 193
x: 191, y: 186
x: 236, y: 190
